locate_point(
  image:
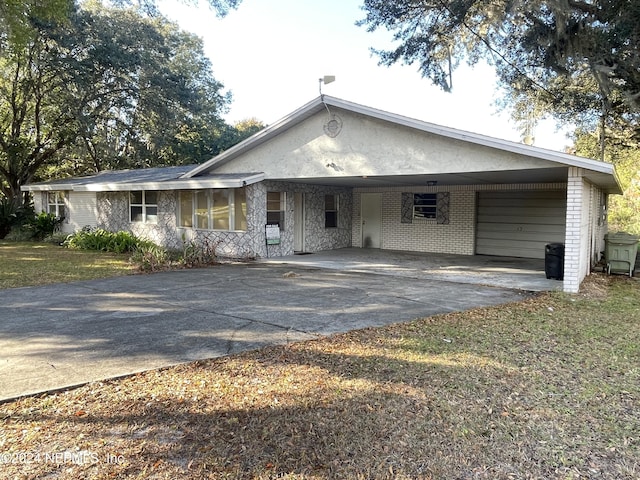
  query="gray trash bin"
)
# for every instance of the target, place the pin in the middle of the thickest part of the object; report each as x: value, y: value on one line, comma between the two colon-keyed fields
x: 620, y: 252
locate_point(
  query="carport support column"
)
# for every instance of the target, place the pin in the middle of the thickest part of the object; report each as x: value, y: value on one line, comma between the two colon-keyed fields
x: 573, y: 243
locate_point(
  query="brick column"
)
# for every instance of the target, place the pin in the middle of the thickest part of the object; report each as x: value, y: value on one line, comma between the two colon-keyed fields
x: 573, y: 242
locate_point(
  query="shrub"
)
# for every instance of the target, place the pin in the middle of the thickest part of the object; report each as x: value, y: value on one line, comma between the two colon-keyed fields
x: 150, y: 257
x: 19, y: 233
x: 144, y: 253
x: 121, y: 242
x: 44, y: 225
x: 102, y: 240
x: 12, y: 214
x: 198, y: 254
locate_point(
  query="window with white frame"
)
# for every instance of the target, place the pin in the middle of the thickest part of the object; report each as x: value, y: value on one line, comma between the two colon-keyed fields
x: 425, y: 205
x: 217, y: 209
x: 143, y: 206
x: 56, y: 204
x: 330, y: 211
x: 276, y: 202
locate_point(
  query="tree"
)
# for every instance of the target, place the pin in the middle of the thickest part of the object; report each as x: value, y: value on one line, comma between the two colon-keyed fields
x: 240, y: 131
x: 153, y: 102
x: 221, y: 7
x: 17, y: 16
x: 108, y: 89
x: 623, y: 209
x: 248, y: 127
x: 546, y: 50
x: 35, y: 115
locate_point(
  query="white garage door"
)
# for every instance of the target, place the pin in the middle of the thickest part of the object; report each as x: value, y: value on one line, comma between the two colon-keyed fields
x: 519, y: 224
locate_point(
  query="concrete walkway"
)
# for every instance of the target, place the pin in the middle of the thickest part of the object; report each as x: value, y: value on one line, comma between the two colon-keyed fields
x: 57, y: 336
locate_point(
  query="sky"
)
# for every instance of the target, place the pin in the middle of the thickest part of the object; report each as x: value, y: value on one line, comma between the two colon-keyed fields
x: 271, y: 53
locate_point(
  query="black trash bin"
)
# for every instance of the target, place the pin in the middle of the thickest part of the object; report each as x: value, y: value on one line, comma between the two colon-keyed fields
x: 554, y: 260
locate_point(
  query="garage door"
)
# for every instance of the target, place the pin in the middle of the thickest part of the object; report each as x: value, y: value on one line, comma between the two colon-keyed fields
x: 519, y: 224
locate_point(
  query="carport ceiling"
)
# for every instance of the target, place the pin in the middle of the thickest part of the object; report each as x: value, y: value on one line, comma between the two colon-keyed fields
x: 545, y: 175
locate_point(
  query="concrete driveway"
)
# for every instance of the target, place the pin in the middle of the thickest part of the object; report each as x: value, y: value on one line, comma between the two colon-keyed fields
x: 508, y: 272
x: 58, y: 336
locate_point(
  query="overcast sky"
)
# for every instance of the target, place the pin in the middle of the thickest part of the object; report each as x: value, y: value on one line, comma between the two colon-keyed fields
x: 271, y: 53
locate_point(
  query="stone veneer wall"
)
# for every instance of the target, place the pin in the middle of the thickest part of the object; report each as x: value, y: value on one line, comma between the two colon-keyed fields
x: 235, y: 244
x: 316, y: 236
x: 113, y: 215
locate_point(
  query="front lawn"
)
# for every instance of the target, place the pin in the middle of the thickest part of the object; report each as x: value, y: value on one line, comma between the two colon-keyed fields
x: 544, y: 389
x: 25, y: 264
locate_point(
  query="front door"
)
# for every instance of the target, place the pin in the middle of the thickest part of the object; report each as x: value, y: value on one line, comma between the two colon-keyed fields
x: 298, y: 222
x: 371, y: 215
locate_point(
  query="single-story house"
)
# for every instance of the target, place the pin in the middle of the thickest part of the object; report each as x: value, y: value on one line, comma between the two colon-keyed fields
x: 336, y: 174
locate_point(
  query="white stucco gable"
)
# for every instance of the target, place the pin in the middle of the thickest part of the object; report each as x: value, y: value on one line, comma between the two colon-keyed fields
x: 369, y: 146
x: 333, y: 139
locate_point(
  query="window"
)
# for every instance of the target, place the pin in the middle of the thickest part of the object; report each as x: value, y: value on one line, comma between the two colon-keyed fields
x: 55, y: 204
x: 275, y: 209
x: 425, y: 205
x: 186, y: 209
x: 202, y: 209
x: 143, y: 206
x: 425, y: 208
x: 239, y: 209
x: 218, y: 209
x: 330, y: 211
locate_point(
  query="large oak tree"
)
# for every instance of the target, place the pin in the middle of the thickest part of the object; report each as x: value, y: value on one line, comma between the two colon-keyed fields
x: 578, y: 60
x: 573, y: 57
x: 109, y: 88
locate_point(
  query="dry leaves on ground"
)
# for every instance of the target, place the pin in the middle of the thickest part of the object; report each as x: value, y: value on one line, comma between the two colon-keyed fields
x: 546, y: 388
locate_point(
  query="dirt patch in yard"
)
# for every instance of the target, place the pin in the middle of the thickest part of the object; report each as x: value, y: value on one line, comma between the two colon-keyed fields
x: 595, y: 286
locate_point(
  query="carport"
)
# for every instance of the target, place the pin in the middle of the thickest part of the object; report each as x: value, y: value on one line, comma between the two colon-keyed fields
x: 505, y: 272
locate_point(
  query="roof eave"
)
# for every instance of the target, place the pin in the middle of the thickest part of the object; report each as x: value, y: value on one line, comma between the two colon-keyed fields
x: 181, y: 184
x: 49, y: 187
x: 178, y: 184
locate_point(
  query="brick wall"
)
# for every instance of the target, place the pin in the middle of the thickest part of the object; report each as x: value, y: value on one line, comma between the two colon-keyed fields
x: 456, y: 237
x: 573, y: 250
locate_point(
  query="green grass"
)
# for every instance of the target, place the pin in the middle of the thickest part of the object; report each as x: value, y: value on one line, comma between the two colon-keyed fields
x: 24, y: 264
x: 548, y: 388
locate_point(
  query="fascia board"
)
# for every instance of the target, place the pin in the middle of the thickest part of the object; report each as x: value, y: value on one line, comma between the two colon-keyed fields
x: 49, y: 187
x: 187, y: 184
